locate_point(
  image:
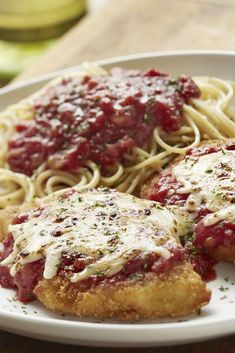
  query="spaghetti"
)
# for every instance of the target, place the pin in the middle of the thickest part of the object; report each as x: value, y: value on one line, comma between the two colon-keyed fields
x: 208, y: 117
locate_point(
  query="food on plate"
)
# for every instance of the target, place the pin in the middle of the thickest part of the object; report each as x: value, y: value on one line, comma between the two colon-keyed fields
x: 97, y: 119
x: 106, y: 253
x: 102, y: 253
x: 113, y: 129
x: 6, y: 216
x: 215, y: 234
x: 89, y: 129
x: 201, y: 182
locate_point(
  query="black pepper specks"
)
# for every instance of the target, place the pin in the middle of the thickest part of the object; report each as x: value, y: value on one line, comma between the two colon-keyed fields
x: 147, y: 212
x: 57, y: 233
x: 112, y: 216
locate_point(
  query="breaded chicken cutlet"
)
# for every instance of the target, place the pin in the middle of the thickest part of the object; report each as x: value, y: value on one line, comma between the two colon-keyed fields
x: 101, y: 253
x: 202, y: 183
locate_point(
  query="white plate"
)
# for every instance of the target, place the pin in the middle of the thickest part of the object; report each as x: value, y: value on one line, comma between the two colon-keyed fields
x: 216, y: 319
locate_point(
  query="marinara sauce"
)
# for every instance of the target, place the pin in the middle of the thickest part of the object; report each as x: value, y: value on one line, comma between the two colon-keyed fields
x: 28, y: 276
x: 204, y: 240
x: 164, y: 188
x: 98, y: 118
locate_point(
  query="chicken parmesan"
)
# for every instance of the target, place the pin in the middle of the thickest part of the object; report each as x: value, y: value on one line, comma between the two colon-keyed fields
x: 104, y: 254
x: 96, y: 252
x: 201, y: 182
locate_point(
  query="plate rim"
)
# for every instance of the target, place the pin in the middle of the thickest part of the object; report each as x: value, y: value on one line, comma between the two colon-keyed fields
x: 111, y: 60
x: 103, y: 325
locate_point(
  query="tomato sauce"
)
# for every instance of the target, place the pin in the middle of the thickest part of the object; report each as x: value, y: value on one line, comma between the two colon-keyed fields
x: 134, y: 269
x: 6, y: 280
x: 206, y: 239
x: 200, y: 250
x: 98, y: 118
x: 27, y: 278
x: 164, y: 189
x: 214, y: 236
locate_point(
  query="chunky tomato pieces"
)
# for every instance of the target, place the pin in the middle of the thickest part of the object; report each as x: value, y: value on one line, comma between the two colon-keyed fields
x: 206, y: 239
x: 28, y: 276
x: 98, y: 118
x: 211, y: 237
x: 164, y: 189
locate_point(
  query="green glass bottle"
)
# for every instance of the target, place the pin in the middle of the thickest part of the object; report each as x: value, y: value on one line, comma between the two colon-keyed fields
x: 28, y: 27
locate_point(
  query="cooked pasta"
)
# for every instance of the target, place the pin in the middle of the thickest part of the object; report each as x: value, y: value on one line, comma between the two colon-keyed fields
x: 210, y: 116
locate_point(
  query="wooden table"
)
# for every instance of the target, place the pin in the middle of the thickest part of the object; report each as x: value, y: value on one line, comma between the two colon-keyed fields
x: 134, y: 26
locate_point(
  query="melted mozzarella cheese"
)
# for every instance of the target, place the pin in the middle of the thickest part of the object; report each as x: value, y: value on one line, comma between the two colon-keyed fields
x: 209, y: 179
x: 227, y: 213
x: 108, y: 226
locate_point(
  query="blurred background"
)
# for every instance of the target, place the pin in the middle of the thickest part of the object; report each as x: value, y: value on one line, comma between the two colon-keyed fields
x: 29, y: 28
x: 40, y: 36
